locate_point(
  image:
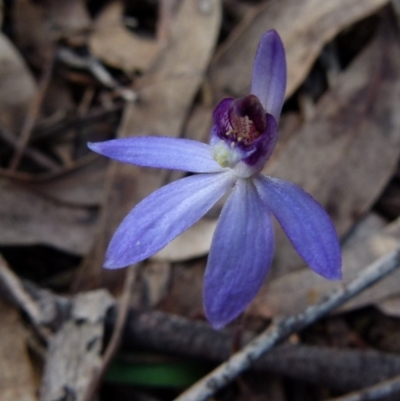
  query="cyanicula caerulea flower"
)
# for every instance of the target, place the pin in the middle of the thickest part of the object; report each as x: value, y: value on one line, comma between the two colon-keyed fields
x: 243, y: 136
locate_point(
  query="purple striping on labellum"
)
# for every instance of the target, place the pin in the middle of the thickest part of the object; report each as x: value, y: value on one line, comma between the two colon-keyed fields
x: 243, y: 137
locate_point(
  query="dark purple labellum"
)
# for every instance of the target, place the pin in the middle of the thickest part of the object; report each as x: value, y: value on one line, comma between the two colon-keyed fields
x: 248, y: 120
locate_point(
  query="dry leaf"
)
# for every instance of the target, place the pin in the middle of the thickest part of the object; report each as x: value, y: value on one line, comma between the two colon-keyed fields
x: 390, y: 306
x: 185, y: 296
x: 16, y: 373
x: 17, y: 87
x: 305, y: 26
x: 81, y: 187
x: 65, y: 19
x: 27, y: 218
x: 194, y: 242
x: 366, y: 227
x: 37, y: 25
x: 156, y: 278
x: 113, y: 43
x: 74, y: 353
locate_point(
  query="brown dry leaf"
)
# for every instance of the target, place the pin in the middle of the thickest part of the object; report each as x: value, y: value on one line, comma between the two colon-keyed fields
x: 390, y: 306
x: 293, y: 292
x: 113, y: 43
x: 305, y: 26
x: 66, y: 19
x: 17, y: 87
x: 186, y: 288
x: 366, y: 227
x: 164, y: 103
x: 30, y: 35
x: 194, y: 242
x: 74, y: 354
x: 37, y: 26
x: 156, y: 279
x: 16, y: 374
x: 81, y: 187
x: 27, y: 218
x: 345, y: 156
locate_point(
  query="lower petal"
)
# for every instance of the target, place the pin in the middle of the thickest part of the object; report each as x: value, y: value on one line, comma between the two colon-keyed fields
x: 163, y: 215
x: 240, y: 255
x: 306, y: 224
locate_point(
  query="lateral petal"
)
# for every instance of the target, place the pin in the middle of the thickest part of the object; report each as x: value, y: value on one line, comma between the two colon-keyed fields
x: 306, y: 224
x: 240, y: 255
x: 160, y: 152
x: 269, y: 73
x: 163, y: 215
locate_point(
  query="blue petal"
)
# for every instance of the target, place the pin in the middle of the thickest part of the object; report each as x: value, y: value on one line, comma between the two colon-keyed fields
x: 305, y: 222
x: 163, y: 215
x: 160, y: 152
x: 269, y: 73
x: 240, y: 255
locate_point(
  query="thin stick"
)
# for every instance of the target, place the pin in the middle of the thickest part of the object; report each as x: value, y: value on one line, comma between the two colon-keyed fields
x: 16, y: 293
x: 36, y: 156
x: 33, y: 112
x: 377, y: 392
x: 115, y: 340
x: 279, y: 331
x: 12, y: 288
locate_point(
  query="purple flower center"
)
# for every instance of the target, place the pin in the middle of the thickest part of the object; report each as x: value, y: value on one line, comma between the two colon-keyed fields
x: 243, y: 135
x: 247, y: 119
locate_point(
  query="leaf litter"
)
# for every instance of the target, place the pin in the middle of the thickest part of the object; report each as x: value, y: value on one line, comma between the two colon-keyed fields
x: 165, y: 66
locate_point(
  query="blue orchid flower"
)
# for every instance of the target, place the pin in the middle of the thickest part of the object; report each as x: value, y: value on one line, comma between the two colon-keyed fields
x: 243, y: 136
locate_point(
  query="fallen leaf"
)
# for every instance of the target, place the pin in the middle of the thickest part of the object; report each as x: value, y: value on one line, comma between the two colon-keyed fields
x: 74, y: 353
x: 194, y: 242
x: 80, y: 187
x: 66, y: 19
x: 156, y: 279
x: 113, y: 43
x: 27, y: 218
x: 390, y: 306
x: 305, y: 26
x: 17, y: 87
x: 37, y: 25
x: 16, y: 373
x: 185, y: 295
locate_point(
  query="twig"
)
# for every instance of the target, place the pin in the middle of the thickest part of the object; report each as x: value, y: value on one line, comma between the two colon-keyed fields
x: 115, y: 340
x: 279, y: 331
x: 94, y: 116
x: 91, y: 64
x: 342, y: 370
x: 33, y: 112
x: 48, y: 175
x: 70, y: 58
x: 36, y: 156
x: 377, y: 392
x: 14, y: 291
